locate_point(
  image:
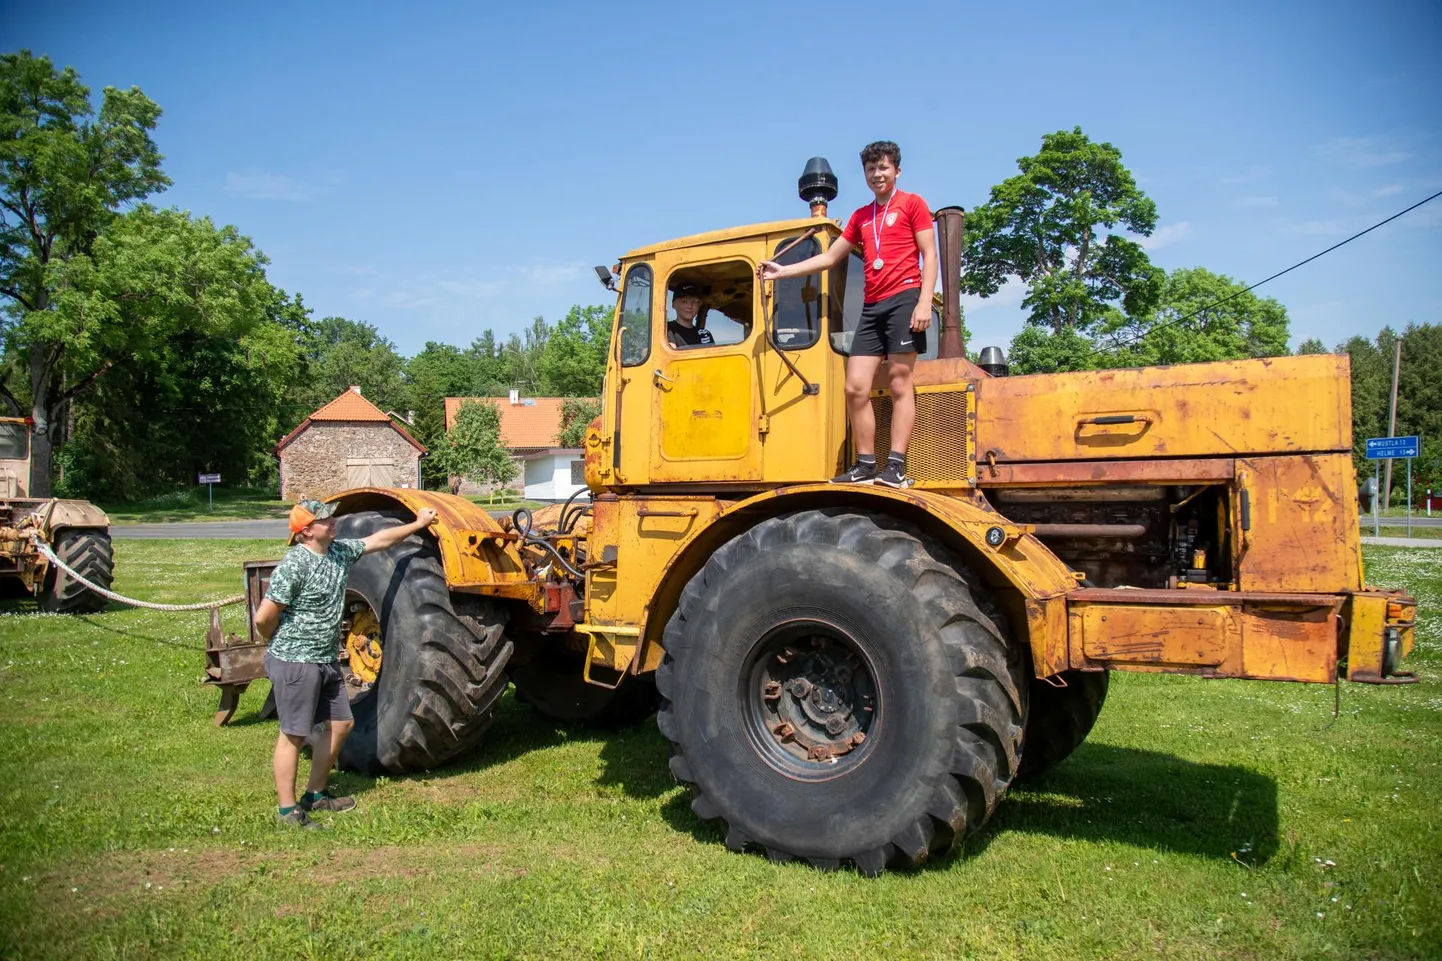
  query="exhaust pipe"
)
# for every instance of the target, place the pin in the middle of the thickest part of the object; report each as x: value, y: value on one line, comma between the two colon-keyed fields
x: 950, y: 230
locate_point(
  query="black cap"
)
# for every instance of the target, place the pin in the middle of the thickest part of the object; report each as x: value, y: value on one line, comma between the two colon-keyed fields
x: 687, y: 290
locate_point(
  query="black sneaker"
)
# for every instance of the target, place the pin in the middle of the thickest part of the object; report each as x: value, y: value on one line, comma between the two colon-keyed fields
x: 858, y: 474
x: 327, y: 802
x: 299, y: 819
x: 894, y: 475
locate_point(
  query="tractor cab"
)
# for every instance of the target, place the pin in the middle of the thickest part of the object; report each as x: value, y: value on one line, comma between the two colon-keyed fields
x: 14, y: 457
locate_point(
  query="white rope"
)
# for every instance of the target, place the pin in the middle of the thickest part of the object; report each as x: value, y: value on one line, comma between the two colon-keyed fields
x: 120, y: 598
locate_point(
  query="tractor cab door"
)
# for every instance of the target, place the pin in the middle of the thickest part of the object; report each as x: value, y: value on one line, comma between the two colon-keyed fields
x: 703, y: 374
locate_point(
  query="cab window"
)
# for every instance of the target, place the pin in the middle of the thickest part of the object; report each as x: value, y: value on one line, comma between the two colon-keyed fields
x: 848, y: 292
x: 635, y: 331
x: 727, y: 294
x: 798, y: 300
x: 14, y: 442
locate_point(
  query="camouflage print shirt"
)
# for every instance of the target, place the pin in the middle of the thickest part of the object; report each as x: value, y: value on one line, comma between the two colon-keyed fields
x: 312, y: 588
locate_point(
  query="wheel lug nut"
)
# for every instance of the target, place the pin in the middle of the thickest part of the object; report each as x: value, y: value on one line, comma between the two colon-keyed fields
x: 784, y: 731
x: 773, y: 690
x: 835, y: 724
x: 800, y: 687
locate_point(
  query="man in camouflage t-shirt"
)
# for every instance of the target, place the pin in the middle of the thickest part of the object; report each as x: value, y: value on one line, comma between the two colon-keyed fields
x: 301, y: 617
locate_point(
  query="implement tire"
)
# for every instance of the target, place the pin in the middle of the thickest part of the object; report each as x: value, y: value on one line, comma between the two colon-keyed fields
x: 445, y: 655
x: 1060, y: 718
x: 89, y: 552
x: 816, y: 627
x: 552, y: 684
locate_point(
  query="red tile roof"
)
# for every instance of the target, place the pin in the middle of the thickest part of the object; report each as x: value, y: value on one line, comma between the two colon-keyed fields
x: 350, y: 407
x: 531, y: 424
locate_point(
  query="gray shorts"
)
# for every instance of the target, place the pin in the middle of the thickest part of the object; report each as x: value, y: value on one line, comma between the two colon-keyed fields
x: 306, y: 694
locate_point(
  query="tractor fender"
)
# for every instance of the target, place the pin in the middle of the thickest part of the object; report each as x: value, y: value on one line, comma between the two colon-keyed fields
x: 1029, y: 579
x: 76, y: 515
x: 475, y: 559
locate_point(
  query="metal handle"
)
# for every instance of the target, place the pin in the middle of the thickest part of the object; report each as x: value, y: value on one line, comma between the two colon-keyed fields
x: 657, y: 373
x: 648, y: 512
x: 1107, y: 420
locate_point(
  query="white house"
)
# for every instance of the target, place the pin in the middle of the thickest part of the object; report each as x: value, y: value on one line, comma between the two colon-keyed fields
x: 529, y: 429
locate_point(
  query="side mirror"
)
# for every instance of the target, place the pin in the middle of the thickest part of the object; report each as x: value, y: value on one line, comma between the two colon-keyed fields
x: 1367, y: 494
x: 607, y: 281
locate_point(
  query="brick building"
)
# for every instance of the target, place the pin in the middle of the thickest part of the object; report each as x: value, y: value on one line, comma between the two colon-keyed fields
x: 349, y: 442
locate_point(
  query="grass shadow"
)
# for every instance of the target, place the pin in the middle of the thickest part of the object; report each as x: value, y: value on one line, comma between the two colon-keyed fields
x: 1145, y: 799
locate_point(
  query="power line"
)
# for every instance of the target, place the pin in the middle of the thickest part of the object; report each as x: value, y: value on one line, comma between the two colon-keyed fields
x: 1302, y: 263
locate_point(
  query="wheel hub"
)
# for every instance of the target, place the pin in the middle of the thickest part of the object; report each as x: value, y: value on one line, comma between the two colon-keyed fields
x: 362, y: 644
x: 814, y: 700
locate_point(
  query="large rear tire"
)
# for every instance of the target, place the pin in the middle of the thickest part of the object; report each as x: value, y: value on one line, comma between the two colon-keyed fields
x: 90, y: 553
x: 1060, y: 718
x: 837, y: 689
x: 444, y: 660
x: 553, y: 685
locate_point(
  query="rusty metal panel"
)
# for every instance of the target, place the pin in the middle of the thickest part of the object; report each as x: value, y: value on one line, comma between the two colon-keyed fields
x: 941, y: 452
x: 1047, y: 624
x: 1267, y: 636
x: 1156, y: 635
x: 1369, y: 615
x: 1290, y: 644
x: 1304, y: 526
x: 1279, y: 404
x: 1108, y: 472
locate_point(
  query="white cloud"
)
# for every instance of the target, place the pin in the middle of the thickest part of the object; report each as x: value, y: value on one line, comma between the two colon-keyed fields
x: 1257, y: 202
x: 258, y: 185
x: 1363, y: 152
x: 1166, y: 236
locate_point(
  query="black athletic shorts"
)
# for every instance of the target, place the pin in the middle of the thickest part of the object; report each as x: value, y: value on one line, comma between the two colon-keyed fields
x: 885, y: 327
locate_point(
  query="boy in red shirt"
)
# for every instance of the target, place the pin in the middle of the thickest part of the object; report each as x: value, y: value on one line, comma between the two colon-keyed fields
x: 899, y: 254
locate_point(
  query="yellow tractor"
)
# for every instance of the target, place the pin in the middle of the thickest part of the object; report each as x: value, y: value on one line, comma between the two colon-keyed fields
x: 77, y: 532
x: 855, y: 675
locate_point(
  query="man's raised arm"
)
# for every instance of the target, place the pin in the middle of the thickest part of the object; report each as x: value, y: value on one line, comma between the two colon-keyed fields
x: 391, y: 536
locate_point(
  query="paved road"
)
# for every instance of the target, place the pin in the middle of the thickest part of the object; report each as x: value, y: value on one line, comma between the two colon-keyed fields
x: 214, y: 530
x: 1402, y: 541
x: 1417, y: 521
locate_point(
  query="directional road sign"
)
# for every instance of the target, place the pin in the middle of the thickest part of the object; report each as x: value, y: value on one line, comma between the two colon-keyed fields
x: 1382, y: 448
x: 215, y: 478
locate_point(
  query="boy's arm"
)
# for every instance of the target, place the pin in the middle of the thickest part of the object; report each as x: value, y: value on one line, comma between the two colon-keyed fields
x: 825, y: 260
x: 267, y: 617
x: 926, y: 242
x: 391, y: 536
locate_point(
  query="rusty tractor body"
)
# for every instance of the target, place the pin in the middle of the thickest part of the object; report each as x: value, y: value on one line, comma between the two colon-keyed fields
x: 76, y: 531
x: 854, y: 675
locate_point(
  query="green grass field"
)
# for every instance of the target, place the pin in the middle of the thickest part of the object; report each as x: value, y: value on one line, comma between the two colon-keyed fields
x: 192, y: 504
x: 1202, y: 819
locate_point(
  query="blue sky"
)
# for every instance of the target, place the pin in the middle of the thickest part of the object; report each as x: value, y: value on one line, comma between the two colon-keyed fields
x: 437, y: 169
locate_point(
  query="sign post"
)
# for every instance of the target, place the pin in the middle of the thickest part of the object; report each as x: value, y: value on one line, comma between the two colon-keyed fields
x: 209, y: 480
x: 1387, y: 448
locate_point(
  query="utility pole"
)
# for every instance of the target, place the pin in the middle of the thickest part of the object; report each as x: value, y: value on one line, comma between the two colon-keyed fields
x: 1392, y: 420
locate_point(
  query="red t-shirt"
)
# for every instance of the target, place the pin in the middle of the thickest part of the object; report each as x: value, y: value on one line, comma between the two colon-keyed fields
x: 897, y: 229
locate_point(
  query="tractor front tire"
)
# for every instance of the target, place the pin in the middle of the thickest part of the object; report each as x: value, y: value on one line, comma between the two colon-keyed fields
x: 1060, y: 718
x: 443, y: 656
x: 836, y: 688
x: 89, y: 553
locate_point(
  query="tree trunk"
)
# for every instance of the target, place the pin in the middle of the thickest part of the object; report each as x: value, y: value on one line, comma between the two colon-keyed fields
x: 42, y: 447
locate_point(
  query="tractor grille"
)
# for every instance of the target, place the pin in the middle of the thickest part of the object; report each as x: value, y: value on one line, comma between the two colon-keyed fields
x: 941, y: 453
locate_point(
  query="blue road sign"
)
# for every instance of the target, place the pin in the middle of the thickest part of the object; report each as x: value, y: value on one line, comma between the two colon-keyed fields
x: 1381, y: 448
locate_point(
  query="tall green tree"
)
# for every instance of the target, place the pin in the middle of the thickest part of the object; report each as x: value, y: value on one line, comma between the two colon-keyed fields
x: 437, y: 372
x: 1050, y: 227
x: 1201, y: 316
x: 1311, y: 346
x: 576, y: 415
x: 65, y: 173
x: 573, y: 362
x: 522, y: 356
x: 343, y: 353
x: 192, y: 339
x: 472, y: 448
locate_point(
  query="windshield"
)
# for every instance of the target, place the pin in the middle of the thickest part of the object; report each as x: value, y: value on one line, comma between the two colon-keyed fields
x: 14, y: 441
